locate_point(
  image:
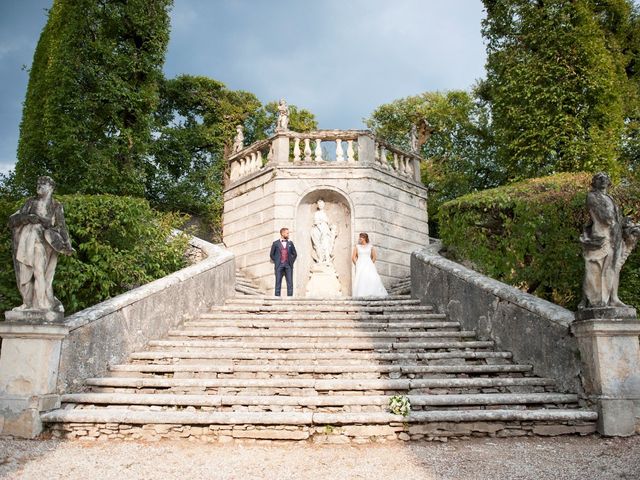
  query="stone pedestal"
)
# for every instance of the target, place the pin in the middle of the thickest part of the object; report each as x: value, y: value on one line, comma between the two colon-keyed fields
x: 610, y: 353
x: 29, y: 363
x: 323, y: 282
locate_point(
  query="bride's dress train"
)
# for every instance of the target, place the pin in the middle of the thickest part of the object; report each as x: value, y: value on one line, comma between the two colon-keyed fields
x: 367, y: 282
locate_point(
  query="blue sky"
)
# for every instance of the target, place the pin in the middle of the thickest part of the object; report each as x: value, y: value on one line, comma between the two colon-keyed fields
x: 338, y: 58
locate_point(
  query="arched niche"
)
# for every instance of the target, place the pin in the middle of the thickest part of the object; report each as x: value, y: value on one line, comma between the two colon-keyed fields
x: 339, y: 211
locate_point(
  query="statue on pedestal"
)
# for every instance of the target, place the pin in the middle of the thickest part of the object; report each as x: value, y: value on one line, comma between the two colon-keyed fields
x: 607, y: 241
x: 323, y: 235
x: 238, y: 141
x: 282, y: 122
x: 324, y: 280
x: 39, y: 235
x: 413, y: 139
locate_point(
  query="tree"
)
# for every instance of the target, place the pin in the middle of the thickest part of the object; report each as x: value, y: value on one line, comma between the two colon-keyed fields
x: 93, y: 88
x: 195, y: 124
x: 556, y: 84
x: 459, y: 146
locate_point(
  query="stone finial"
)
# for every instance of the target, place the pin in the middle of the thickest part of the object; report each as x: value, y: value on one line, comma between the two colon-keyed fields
x: 39, y: 235
x: 238, y: 141
x: 282, y: 122
x: 607, y: 241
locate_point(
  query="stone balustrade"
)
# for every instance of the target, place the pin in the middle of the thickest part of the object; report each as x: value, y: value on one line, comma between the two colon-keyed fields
x: 324, y: 147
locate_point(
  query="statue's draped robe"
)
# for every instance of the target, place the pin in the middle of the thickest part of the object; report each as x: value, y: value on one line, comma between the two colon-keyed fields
x: 36, y: 251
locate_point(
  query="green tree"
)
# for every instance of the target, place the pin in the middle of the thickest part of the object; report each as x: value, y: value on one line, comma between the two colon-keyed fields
x: 459, y: 149
x: 556, y: 83
x: 195, y: 126
x: 93, y: 88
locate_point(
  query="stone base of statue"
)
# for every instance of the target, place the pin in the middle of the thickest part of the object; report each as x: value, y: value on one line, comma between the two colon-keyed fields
x: 323, y: 282
x: 34, y: 315
x: 610, y: 353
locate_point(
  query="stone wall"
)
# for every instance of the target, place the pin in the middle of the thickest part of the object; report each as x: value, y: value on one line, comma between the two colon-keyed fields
x: 390, y: 208
x: 109, y: 331
x: 536, y: 331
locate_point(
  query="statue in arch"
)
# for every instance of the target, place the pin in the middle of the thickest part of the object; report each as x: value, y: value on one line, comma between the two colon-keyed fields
x: 282, y: 122
x: 323, y: 235
x: 39, y: 235
x: 607, y: 242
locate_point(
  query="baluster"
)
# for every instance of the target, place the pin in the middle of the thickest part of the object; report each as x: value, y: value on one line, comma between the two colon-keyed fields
x: 259, y: 160
x: 376, y: 153
x: 395, y: 161
x: 242, y: 169
x: 339, y: 152
x: 350, y: 153
x: 233, y: 172
x: 318, y: 151
x: 383, y: 157
x: 307, y: 150
x: 403, y: 165
x: 296, y: 150
x: 408, y: 167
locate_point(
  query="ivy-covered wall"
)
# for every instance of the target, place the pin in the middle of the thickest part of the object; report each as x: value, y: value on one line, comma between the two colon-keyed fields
x: 526, y: 234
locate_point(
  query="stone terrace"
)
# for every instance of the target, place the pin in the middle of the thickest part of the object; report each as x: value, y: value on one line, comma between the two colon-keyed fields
x: 307, y: 369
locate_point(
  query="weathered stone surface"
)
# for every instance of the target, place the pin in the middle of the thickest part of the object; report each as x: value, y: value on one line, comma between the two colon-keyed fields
x: 109, y: 331
x: 534, y: 330
x: 272, y: 434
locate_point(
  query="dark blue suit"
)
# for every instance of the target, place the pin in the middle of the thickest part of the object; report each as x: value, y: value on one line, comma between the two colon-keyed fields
x: 283, y: 269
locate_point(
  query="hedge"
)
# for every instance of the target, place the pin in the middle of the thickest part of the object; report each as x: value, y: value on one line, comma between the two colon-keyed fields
x: 121, y: 243
x: 526, y: 234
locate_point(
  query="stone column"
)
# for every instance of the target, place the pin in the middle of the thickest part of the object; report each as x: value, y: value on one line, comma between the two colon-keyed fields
x: 366, y: 150
x: 29, y: 363
x: 610, y: 353
x: 280, y: 149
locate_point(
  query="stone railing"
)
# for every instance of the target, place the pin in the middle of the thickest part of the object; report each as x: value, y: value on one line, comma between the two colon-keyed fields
x: 324, y: 147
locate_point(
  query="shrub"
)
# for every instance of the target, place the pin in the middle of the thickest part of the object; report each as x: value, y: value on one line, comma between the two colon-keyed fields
x: 121, y: 243
x: 526, y: 234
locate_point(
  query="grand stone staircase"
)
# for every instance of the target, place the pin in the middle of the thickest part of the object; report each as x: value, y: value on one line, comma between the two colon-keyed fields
x: 261, y: 369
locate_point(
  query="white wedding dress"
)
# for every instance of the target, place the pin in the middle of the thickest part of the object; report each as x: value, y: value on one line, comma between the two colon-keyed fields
x: 367, y: 282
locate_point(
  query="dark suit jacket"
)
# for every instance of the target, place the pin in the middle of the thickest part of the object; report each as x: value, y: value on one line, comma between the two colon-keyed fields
x: 275, y: 252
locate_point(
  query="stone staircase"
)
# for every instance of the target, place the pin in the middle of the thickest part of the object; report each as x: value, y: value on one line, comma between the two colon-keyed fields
x: 401, y: 287
x: 262, y: 368
x: 245, y: 285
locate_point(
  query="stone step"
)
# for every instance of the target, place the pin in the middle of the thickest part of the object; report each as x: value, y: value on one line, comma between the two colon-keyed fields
x: 325, y: 369
x: 315, y: 335
x: 247, y: 290
x: 322, y: 316
x: 319, y: 385
x: 328, y: 307
x: 400, y: 300
x: 341, y: 324
x: 306, y: 345
x: 331, y: 357
x: 315, y: 401
x: 124, y: 416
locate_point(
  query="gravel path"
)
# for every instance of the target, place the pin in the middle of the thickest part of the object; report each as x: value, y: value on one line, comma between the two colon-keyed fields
x: 588, y: 458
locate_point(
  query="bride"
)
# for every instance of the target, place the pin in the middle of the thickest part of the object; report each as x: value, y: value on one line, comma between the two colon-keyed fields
x: 367, y: 282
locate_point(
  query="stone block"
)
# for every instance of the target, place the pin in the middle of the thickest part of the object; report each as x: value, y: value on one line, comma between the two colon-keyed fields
x: 272, y: 434
x: 616, y: 418
x: 367, y: 430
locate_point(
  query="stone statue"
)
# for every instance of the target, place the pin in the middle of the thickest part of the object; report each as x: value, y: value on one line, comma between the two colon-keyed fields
x: 413, y: 139
x: 238, y: 141
x: 323, y: 235
x: 39, y: 235
x: 607, y: 241
x: 282, y: 123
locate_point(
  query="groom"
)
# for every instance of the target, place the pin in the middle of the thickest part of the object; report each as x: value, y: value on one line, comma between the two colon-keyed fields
x: 283, y: 254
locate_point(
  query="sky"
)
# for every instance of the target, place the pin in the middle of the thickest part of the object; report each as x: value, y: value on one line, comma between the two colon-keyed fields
x: 339, y: 59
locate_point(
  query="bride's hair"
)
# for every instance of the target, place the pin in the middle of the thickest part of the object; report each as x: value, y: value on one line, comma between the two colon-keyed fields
x: 365, y: 236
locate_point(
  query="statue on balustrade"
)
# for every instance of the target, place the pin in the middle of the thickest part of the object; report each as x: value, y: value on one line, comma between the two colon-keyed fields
x: 39, y: 235
x: 607, y: 241
x: 238, y: 141
x: 323, y: 235
x: 413, y: 139
x: 282, y: 122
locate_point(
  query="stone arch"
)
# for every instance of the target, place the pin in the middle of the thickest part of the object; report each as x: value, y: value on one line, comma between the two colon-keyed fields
x: 339, y: 208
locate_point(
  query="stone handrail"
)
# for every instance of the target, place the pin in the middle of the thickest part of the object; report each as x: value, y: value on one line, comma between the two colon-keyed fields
x: 352, y: 147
